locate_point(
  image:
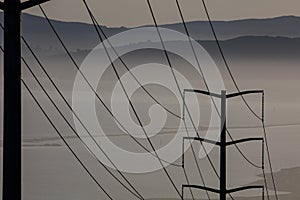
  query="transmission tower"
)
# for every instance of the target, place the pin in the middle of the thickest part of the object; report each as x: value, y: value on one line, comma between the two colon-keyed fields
x: 223, y: 144
x: 12, y: 137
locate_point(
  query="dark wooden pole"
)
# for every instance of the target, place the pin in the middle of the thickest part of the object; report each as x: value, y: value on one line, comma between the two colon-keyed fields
x: 12, y: 101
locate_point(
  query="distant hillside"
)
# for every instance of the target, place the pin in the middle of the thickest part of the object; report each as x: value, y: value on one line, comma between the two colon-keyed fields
x: 285, y: 26
x: 83, y: 36
x: 257, y: 47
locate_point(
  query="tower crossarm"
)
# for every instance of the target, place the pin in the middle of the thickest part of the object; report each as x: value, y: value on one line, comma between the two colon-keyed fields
x: 201, y: 188
x: 250, y: 187
x: 244, y: 93
x: 244, y: 140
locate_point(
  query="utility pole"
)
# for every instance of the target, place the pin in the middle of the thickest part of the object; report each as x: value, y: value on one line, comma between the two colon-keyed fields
x: 12, y: 137
x: 223, y: 144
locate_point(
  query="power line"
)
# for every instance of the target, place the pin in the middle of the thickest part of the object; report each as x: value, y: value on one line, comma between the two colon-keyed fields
x: 133, y: 108
x: 96, y: 94
x: 138, y: 195
x: 97, y: 26
x: 156, y: 155
x: 63, y: 139
x: 225, y: 61
x: 176, y: 81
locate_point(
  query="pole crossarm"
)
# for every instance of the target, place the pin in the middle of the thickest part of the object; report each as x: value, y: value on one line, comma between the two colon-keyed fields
x: 31, y: 3
x: 25, y: 5
x: 251, y: 187
x: 244, y: 140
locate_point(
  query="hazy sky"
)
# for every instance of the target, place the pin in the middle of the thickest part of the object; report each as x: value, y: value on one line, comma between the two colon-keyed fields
x: 135, y: 12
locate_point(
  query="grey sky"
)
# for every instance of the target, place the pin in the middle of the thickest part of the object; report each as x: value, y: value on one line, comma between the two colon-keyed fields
x: 135, y: 12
